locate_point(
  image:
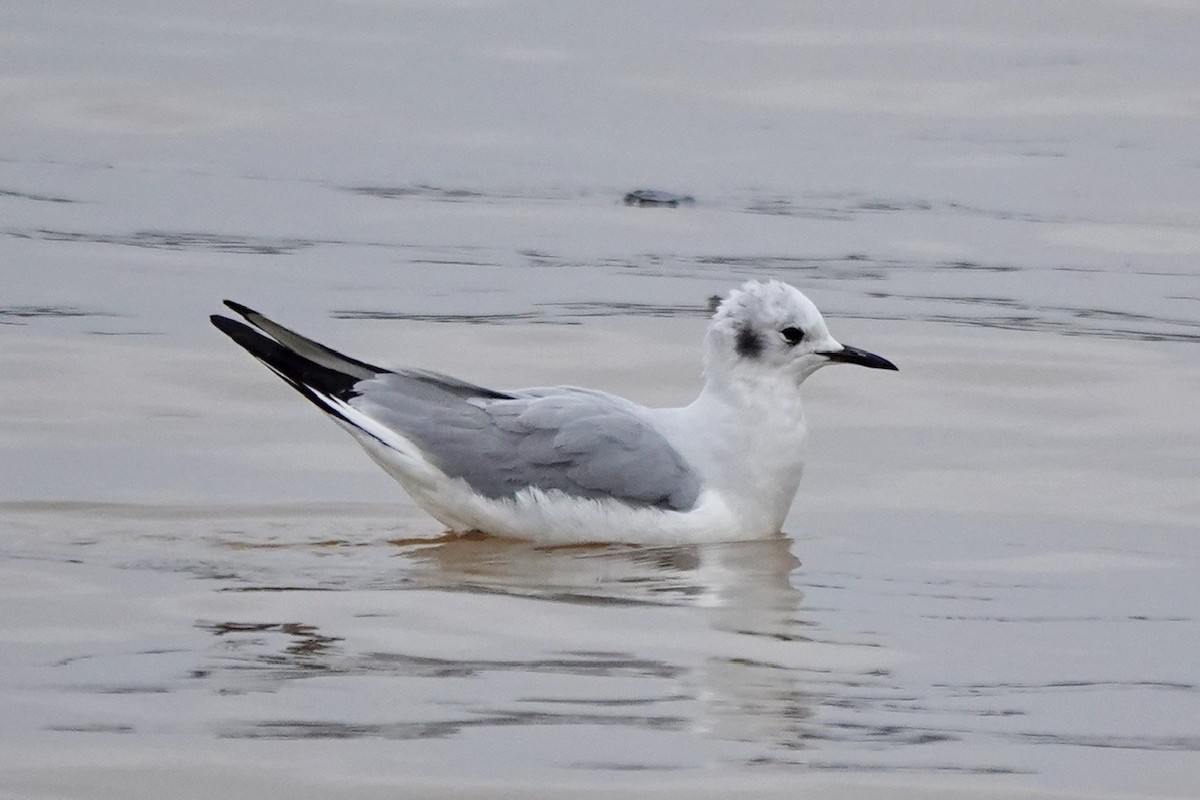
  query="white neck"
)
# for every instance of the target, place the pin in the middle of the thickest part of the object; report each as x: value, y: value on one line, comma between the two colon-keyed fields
x: 745, y: 434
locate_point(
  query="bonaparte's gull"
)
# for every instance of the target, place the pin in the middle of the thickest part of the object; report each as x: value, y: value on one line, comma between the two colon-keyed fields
x: 565, y: 465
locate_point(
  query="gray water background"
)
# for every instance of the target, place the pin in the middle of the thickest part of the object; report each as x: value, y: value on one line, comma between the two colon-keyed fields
x: 990, y: 575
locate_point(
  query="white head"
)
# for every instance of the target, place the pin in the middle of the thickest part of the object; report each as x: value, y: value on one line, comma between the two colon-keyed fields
x: 771, y: 329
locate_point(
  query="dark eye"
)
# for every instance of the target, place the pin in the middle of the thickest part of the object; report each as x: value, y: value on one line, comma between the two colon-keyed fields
x: 792, y: 335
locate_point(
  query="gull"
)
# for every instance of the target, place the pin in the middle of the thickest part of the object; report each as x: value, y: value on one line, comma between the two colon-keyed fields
x: 564, y: 465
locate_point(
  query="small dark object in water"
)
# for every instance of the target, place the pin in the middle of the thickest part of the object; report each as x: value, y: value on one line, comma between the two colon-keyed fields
x: 655, y: 197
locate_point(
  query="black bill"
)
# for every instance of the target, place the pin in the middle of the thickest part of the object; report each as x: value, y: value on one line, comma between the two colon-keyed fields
x: 852, y: 355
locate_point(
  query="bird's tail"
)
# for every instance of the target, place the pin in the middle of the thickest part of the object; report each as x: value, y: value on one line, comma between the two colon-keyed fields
x: 329, y: 380
x: 321, y: 374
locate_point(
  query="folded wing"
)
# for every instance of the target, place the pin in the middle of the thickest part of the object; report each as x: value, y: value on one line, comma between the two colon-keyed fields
x: 581, y: 443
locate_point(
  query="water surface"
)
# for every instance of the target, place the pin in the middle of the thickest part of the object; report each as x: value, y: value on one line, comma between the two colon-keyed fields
x: 986, y: 584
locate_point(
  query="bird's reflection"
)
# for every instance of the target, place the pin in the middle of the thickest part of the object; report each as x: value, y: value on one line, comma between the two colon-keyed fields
x: 720, y: 647
x: 745, y: 586
x: 744, y: 589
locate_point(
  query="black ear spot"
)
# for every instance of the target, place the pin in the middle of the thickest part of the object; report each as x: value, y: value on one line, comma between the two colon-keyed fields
x: 792, y: 335
x: 749, y: 344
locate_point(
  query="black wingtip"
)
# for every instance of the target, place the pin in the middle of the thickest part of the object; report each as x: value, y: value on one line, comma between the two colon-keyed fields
x: 224, y: 324
x: 310, y: 378
x: 238, y: 307
x: 241, y: 333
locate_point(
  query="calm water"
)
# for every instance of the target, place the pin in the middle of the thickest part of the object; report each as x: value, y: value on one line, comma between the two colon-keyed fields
x: 988, y: 579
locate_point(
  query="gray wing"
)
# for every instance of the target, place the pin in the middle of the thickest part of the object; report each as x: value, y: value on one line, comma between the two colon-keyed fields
x: 585, y: 444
